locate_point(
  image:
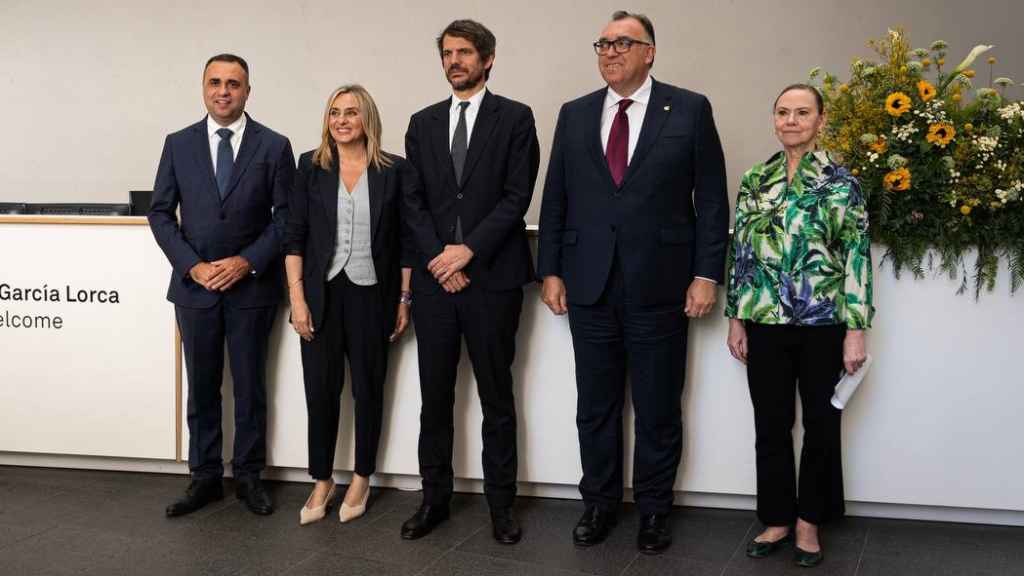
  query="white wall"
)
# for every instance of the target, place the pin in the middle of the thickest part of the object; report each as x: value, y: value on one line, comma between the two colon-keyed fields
x: 89, y: 89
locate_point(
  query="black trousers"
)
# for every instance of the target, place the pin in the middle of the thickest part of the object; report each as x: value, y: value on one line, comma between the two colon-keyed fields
x: 488, y: 321
x: 203, y: 333
x: 778, y: 358
x: 609, y: 338
x: 353, y: 326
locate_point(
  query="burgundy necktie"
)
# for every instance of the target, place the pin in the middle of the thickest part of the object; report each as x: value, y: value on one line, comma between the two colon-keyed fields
x: 618, y: 143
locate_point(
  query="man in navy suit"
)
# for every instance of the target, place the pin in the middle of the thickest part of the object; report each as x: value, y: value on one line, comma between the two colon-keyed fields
x: 230, y: 177
x: 477, y: 156
x: 633, y: 229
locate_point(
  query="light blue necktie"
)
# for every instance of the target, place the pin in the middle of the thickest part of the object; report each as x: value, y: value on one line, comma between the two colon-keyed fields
x: 225, y: 160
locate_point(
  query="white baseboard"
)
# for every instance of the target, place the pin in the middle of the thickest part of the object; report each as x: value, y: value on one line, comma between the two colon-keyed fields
x: 563, y: 491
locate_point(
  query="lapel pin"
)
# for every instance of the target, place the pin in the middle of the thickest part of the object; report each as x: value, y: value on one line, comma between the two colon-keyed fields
x: 667, y: 108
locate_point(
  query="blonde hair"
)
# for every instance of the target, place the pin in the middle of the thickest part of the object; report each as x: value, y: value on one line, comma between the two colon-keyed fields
x: 324, y: 155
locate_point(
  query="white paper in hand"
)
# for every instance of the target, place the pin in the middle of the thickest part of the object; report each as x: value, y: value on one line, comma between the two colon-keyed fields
x: 848, y: 384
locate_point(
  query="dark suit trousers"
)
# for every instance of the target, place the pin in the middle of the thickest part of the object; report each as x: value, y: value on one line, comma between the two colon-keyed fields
x: 610, y: 337
x: 777, y: 358
x: 203, y: 333
x: 353, y: 326
x: 489, y: 321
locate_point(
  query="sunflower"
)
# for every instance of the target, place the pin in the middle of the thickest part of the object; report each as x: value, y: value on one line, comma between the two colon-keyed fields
x: 897, y: 104
x: 926, y: 90
x: 878, y: 146
x: 940, y: 134
x: 898, y: 180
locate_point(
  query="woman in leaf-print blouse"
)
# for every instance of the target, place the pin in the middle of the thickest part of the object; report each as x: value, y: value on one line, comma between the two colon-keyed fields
x: 798, y: 302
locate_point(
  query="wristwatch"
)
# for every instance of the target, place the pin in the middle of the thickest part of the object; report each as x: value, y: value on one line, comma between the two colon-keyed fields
x: 405, y: 297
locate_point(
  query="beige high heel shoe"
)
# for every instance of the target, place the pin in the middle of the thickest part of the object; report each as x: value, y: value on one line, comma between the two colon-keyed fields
x: 348, y: 513
x: 309, y: 515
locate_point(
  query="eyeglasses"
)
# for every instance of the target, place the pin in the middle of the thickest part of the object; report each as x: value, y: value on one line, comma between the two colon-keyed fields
x: 622, y: 45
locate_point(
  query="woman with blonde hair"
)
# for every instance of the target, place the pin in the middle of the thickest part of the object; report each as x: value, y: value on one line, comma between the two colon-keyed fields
x: 348, y: 289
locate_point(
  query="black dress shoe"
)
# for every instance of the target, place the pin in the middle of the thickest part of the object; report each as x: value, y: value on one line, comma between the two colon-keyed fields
x: 250, y: 490
x: 198, y: 494
x: 505, y: 528
x: 593, y: 526
x: 654, y: 535
x: 805, y: 559
x: 757, y: 549
x: 423, y: 521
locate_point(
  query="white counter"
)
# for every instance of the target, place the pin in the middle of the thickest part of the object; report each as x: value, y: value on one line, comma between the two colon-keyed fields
x: 935, y: 424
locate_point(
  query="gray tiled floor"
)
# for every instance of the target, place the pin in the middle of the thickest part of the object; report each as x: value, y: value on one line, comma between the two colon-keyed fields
x: 111, y: 523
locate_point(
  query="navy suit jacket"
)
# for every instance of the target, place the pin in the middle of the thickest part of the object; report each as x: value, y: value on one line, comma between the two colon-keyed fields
x: 667, y: 222
x: 497, y: 185
x: 249, y: 221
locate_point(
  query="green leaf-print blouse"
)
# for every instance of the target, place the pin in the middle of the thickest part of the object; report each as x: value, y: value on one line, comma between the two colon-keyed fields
x: 801, y: 252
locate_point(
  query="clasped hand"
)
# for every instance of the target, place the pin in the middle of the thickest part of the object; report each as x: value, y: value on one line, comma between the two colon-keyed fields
x: 447, y: 267
x: 220, y: 275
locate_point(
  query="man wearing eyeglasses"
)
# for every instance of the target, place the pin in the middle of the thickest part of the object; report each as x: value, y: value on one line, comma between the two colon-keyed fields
x: 633, y: 230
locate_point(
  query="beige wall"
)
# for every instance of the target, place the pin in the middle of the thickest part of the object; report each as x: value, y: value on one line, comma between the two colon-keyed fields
x: 89, y: 89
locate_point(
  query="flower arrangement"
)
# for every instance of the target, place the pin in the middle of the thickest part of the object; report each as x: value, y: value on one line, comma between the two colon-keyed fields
x: 941, y: 162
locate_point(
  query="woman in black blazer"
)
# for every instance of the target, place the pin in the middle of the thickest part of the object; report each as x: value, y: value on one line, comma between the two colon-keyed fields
x: 348, y: 289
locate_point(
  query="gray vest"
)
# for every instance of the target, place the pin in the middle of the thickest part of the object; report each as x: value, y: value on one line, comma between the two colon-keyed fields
x: 352, y: 249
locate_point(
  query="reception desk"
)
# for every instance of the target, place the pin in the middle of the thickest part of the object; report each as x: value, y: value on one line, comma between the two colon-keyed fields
x: 934, y: 431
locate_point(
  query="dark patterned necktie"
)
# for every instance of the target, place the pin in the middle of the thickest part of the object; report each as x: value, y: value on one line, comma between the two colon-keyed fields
x: 618, y: 143
x: 225, y: 160
x: 460, y: 143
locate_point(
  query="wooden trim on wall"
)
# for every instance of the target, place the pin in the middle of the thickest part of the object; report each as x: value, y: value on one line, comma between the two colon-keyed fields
x: 76, y: 220
x: 177, y: 394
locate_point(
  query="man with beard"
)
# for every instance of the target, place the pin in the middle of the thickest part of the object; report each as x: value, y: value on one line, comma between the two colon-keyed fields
x: 477, y: 157
x: 633, y: 229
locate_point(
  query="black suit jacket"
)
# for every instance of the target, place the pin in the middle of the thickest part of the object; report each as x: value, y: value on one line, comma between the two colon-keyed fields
x: 667, y: 222
x: 498, y: 179
x: 249, y: 221
x: 313, y: 228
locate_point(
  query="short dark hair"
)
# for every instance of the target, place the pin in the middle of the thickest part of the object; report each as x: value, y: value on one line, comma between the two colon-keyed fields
x: 476, y: 33
x: 641, y: 18
x: 801, y: 86
x: 231, y: 58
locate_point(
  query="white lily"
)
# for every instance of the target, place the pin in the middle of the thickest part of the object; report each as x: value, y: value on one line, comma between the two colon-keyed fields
x: 977, y: 51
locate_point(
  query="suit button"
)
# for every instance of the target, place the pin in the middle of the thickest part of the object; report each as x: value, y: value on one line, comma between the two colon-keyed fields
x: 222, y: 216
x: 613, y: 227
x: 459, y: 196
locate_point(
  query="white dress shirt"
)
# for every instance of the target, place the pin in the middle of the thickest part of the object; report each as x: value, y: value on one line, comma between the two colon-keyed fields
x: 471, y: 111
x: 238, y: 126
x: 636, y: 112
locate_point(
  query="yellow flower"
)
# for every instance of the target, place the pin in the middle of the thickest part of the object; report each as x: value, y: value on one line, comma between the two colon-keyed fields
x: 897, y: 104
x: 991, y: 59
x: 926, y: 62
x: 965, y: 209
x: 940, y: 61
x: 855, y: 171
x: 925, y: 90
x: 968, y: 127
x: 968, y: 73
x: 940, y: 134
x: 844, y: 88
x: 878, y: 146
x: 898, y: 180
x: 956, y: 97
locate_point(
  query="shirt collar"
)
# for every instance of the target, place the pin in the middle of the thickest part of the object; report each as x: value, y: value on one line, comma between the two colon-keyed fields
x: 474, y: 101
x: 236, y: 127
x: 641, y: 96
